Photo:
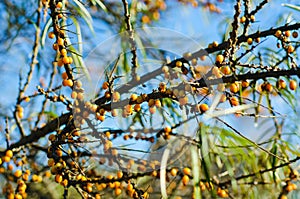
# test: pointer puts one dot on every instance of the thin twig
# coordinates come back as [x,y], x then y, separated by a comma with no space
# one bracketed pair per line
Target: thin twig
[131,39]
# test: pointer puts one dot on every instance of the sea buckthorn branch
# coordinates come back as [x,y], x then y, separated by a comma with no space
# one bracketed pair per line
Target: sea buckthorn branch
[55,98]
[248,76]
[246,14]
[131,84]
[259,7]
[54,124]
[261,67]
[61,42]
[35,51]
[41,132]
[145,97]
[131,39]
[233,34]
[34,61]
[243,38]
[198,54]
[26,98]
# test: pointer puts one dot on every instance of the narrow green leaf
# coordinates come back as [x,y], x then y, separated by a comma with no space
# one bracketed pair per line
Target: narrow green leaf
[85,14]
[294,7]
[45,31]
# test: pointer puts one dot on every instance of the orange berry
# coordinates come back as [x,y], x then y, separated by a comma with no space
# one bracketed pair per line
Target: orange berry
[295,34]
[178,64]
[186,171]
[60,15]
[51,162]
[105,85]
[89,187]
[60,41]
[25,177]
[278,33]
[67,82]
[203,108]
[59,5]
[51,35]
[146,19]
[252,18]
[289,188]
[27,99]
[137,107]
[215,44]
[243,19]
[10,167]
[283,197]
[130,187]
[222,193]
[70,60]
[226,70]
[6,158]
[249,41]
[64,75]
[167,129]
[58,178]
[293,84]
[233,87]
[151,102]
[9,153]
[162,87]
[66,60]
[185,180]
[18,196]
[100,117]
[234,101]
[55,47]
[116,96]
[290,49]
[63,52]
[119,174]
[173,172]
[287,33]
[74,95]
[157,103]
[133,97]
[268,87]
[294,186]
[64,182]
[60,62]
[165,69]
[220,58]
[245,83]
[18,173]
[118,191]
